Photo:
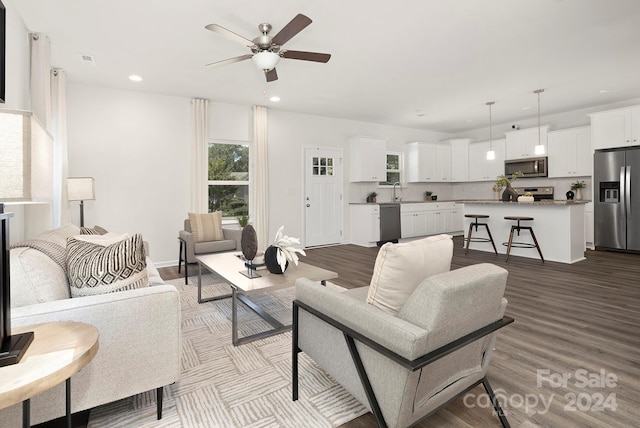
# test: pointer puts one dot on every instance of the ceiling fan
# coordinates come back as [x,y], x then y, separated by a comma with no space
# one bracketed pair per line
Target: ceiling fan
[267,50]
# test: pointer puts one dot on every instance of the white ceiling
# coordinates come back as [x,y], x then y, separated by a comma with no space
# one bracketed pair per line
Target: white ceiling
[427,64]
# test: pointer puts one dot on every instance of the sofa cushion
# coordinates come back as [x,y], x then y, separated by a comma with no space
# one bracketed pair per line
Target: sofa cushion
[213,246]
[60,235]
[206,227]
[35,278]
[96,269]
[400,268]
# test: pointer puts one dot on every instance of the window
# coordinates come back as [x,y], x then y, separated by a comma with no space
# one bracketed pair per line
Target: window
[229,178]
[394,169]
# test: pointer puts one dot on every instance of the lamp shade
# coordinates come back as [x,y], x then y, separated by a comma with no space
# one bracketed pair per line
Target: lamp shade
[266,60]
[81,189]
[26,163]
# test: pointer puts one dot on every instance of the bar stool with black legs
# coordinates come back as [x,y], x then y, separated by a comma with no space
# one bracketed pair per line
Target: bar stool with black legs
[475,225]
[517,228]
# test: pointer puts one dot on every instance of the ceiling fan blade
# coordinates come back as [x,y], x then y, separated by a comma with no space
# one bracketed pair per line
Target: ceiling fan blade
[229,34]
[297,24]
[271,75]
[306,56]
[229,61]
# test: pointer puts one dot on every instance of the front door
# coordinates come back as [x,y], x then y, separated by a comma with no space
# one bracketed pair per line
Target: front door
[323,196]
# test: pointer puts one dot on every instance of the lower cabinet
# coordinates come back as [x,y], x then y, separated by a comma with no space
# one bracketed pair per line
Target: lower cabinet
[365,224]
[424,219]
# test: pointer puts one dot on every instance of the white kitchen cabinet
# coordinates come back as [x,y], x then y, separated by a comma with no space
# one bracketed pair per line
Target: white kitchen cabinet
[522,143]
[425,162]
[615,128]
[482,169]
[459,159]
[588,226]
[570,152]
[365,224]
[367,159]
[413,220]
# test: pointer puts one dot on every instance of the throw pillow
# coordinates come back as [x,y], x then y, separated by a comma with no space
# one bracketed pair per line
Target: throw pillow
[105,240]
[206,227]
[95,230]
[400,268]
[96,269]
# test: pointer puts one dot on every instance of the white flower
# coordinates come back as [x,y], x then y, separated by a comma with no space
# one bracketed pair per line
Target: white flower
[286,250]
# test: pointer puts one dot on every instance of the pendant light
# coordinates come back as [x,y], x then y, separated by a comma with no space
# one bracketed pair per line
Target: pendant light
[491,155]
[539,150]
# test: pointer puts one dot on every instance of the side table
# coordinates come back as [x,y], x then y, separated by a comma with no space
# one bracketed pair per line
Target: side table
[58,351]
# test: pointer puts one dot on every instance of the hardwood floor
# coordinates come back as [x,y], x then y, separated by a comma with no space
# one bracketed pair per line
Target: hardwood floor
[580,320]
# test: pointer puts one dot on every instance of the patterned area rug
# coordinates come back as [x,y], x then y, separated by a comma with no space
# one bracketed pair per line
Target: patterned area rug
[226,386]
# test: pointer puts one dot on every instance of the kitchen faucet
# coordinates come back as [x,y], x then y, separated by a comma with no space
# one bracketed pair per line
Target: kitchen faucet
[397,183]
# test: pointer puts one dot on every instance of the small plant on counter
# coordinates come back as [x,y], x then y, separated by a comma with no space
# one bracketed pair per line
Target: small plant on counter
[504,181]
[372,197]
[578,185]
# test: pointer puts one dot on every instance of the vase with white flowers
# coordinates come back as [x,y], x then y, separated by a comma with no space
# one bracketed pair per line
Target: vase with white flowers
[278,255]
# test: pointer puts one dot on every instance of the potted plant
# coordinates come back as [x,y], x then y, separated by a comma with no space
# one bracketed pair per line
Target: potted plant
[578,186]
[371,197]
[427,195]
[503,181]
[243,220]
[497,190]
[278,255]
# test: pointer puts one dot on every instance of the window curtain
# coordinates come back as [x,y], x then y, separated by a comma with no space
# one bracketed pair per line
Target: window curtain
[39,217]
[199,156]
[259,179]
[61,213]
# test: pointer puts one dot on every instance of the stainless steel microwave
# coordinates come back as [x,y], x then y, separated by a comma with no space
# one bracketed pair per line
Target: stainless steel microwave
[531,167]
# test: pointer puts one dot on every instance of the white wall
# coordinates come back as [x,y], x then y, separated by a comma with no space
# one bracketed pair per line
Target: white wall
[136,146]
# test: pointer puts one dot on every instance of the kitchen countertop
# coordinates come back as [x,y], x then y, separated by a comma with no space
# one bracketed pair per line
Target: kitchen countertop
[481,201]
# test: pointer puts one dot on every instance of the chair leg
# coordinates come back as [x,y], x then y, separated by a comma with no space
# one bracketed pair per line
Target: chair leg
[159,393]
[180,255]
[468,238]
[186,264]
[535,241]
[496,404]
[510,242]
[495,250]
[294,355]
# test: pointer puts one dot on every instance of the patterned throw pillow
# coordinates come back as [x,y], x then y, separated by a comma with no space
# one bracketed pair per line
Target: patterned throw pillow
[206,227]
[96,269]
[95,230]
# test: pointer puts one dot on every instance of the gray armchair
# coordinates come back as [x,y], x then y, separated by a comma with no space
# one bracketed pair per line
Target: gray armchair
[405,367]
[190,249]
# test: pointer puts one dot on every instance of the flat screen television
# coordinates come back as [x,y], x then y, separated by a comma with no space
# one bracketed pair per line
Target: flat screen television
[3,45]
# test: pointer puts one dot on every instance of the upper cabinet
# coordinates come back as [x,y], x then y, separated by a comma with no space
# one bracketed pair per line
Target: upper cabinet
[367,159]
[615,128]
[482,169]
[426,162]
[459,159]
[522,143]
[570,152]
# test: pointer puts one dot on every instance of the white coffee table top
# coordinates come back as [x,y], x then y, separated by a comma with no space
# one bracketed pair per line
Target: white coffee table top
[229,266]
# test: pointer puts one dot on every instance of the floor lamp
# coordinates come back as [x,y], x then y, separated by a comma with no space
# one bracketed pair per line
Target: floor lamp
[81,189]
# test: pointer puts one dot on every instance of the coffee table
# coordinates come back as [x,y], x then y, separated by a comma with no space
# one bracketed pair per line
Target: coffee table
[230,266]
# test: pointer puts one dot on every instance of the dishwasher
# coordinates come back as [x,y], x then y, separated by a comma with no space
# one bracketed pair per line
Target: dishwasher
[389,223]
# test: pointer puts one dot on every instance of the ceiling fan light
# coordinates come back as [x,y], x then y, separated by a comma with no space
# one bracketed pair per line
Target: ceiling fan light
[266,60]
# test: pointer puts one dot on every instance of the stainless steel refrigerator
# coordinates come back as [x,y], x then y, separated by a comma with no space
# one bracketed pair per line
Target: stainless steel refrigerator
[616,180]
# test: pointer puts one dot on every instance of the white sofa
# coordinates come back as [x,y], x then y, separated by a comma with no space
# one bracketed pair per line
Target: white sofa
[139,333]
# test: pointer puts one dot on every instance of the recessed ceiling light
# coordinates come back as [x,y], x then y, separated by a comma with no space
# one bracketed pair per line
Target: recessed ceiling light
[604,91]
[135,78]
[525,108]
[274,99]
[469,120]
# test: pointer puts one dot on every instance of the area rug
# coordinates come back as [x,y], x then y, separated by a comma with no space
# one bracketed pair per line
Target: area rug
[222,385]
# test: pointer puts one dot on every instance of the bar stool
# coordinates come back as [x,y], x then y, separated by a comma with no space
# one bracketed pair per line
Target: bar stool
[518,228]
[476,224]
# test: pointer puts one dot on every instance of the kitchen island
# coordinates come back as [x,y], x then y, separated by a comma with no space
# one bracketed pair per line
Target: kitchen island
[558,225]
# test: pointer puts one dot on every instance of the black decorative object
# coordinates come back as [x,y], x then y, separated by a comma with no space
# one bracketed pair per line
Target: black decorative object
[570,195]
[249,245]
[12,347]
[271,260]
[509,194]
